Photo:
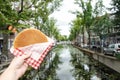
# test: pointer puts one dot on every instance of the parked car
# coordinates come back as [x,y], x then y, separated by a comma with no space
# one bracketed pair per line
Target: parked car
[112,49]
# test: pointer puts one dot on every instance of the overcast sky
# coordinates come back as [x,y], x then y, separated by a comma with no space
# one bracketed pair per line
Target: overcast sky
[64,17]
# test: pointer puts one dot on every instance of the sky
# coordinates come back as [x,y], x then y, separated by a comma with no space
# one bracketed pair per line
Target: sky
[64,17]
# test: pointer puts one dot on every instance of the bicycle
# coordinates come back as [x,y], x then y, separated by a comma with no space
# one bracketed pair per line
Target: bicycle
[3,58]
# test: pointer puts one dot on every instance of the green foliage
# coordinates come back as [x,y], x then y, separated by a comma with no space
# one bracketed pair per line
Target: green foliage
[86,13]
[7,15]
[86,19]
[116,8]
[23,14]
[28,13]
[91,19]
[42,11]
[99,8]
[76,28]
[117,56]
[102,25]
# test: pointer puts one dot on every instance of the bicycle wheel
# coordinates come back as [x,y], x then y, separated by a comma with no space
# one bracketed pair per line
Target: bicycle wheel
[3,58]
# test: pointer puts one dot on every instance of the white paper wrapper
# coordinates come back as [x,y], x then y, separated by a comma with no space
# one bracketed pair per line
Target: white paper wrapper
[39,51]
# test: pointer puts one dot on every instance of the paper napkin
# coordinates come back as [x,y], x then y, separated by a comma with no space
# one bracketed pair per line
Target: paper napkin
[38,52]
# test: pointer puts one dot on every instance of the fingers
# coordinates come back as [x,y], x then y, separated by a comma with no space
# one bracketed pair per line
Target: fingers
[25,56]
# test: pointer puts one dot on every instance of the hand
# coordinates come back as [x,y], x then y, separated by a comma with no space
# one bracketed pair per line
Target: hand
[19,66]
[16,69]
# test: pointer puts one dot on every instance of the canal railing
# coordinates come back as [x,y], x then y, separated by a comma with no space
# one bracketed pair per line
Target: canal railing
[110,61]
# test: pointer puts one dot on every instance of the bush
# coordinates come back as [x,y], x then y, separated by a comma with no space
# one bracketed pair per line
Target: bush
[117,56]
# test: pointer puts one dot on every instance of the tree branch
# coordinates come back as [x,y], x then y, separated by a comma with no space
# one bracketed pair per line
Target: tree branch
[21,7]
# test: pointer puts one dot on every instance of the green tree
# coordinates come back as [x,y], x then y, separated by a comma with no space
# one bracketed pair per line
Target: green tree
[42,21]
[102,21]
[42,11]
[86,15]
[76,28]
[25,13]
[116,8]
[51,29]
[102,25]
[7,16]
[89,16]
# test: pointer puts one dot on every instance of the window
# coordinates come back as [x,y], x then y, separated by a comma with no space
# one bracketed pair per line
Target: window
[112,46]
[118,46]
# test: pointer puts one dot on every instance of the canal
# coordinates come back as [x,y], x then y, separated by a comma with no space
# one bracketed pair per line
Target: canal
[65,62]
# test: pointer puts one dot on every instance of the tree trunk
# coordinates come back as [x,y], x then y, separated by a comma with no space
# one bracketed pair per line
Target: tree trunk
[89,38]
[83,36]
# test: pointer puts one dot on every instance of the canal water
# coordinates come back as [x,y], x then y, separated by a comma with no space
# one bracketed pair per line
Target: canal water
[65,62]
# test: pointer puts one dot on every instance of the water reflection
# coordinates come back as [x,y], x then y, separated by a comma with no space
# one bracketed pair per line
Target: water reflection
[82,66]
[64,72]
[64,62]
[47,70]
